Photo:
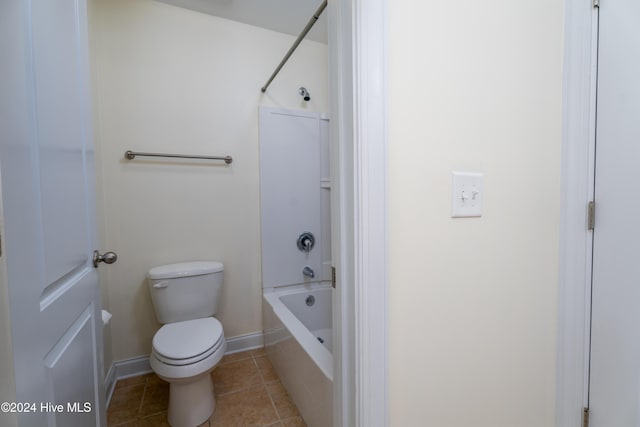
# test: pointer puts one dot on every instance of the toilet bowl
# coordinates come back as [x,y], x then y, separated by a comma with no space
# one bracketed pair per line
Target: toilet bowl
[189,345]
[184,353]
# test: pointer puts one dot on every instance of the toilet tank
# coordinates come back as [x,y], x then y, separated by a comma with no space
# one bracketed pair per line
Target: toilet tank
[186,290]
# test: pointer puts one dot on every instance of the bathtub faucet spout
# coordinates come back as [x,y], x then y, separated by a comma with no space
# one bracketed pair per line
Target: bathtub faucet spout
[308,272]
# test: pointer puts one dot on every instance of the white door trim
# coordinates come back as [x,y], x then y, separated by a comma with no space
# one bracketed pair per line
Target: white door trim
[357,76]
[342,209]
[358,91]
[578,154]
[370,196]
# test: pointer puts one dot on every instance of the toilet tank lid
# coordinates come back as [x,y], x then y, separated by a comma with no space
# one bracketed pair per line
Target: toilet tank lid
[185,269]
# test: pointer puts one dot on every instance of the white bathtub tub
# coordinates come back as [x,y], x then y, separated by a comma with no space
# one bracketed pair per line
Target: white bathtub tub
[298,343]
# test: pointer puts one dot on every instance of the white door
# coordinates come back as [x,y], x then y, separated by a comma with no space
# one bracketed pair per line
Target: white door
[46,160]
[614,398]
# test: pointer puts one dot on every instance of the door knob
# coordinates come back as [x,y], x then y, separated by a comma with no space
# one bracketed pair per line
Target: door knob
[107,258]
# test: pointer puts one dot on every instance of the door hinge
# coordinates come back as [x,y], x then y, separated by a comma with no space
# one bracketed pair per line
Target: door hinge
[595,3]
[333,277]
[585,417]
[591,215]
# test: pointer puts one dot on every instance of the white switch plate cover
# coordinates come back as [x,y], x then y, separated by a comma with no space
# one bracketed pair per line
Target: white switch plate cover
[467,194]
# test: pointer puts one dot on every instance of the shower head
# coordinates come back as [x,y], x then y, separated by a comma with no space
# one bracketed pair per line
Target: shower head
[304,93]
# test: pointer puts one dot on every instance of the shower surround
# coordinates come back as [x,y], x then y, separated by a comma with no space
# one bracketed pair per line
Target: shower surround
[296,257]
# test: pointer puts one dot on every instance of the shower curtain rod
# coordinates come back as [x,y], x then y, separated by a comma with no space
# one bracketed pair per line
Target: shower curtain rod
[304,32]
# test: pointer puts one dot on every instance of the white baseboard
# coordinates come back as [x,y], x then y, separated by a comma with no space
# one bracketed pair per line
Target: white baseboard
[135,366]
[132,367]
[245,342]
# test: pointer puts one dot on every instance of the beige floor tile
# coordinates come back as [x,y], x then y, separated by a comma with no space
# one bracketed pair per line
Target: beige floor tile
[128,382]
[283,403]
[266,369]
[156,399]
[258,352]
[127,424]
[294,422]
[125,404]
[246,408]
[154,379]
[234,357]
[235,376]
[248,392]
[126,394]
[158,420]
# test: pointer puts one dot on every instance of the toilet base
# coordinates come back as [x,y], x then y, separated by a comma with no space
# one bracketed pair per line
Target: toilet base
[191,403]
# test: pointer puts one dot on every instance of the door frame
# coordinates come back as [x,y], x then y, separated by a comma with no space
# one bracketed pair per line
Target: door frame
[369,359]
[370,231]
[577,189]
[358,76]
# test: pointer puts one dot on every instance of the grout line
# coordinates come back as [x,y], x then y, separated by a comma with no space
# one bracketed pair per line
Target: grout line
[259,369]
[140,417]
[239,390]
[273,404]
[264,383]
[144,393]
[235,360]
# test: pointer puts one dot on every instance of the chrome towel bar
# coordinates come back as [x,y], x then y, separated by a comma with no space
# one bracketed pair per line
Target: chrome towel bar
[130,155]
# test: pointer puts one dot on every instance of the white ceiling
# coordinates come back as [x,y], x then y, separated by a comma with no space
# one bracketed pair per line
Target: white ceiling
[285,16]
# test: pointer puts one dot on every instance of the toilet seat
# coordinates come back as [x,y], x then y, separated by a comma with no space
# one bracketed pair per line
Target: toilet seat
[188,342]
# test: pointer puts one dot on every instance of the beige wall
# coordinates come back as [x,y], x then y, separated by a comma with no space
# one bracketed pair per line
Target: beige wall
[474,86]
[173,80]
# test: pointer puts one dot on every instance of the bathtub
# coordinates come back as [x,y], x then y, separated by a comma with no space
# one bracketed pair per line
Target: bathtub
[297,336]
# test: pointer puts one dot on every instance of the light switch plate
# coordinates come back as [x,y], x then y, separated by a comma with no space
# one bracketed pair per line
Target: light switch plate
[466,194]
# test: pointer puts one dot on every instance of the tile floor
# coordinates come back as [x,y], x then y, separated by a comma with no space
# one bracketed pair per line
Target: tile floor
[248,393]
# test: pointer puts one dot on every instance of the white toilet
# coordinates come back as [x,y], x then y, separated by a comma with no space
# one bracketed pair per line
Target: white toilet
[191,342]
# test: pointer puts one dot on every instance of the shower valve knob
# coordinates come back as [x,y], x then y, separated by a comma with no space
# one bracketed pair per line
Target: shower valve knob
[306,242]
